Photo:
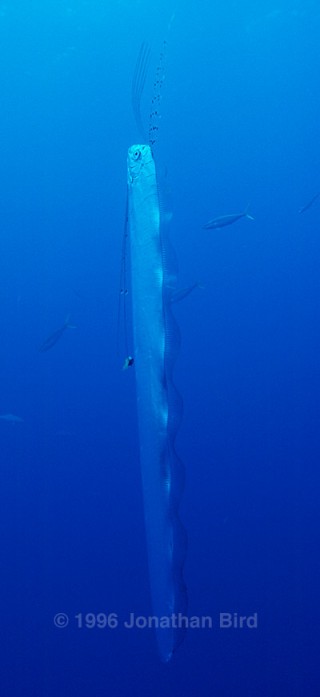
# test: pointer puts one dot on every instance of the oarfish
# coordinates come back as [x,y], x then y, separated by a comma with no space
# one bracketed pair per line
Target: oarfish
[156,340]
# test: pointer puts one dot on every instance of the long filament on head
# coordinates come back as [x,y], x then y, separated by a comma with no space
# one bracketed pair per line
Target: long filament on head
[155,116]
[122,320]
[138,83]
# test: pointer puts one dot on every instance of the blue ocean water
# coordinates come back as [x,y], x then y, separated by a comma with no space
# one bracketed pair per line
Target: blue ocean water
[239,125]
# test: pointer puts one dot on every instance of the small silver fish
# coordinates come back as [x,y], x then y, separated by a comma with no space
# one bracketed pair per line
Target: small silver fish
[53,338]
[11,418]
[310,203]
[224,220]
[178,295]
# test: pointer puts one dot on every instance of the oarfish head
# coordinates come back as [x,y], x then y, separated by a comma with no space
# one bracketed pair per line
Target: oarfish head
[139,156]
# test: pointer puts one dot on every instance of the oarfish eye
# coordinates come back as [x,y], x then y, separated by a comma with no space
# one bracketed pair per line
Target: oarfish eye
[136,155]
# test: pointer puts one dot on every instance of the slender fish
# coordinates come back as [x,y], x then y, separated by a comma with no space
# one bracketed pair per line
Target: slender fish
[181,294]
[11,418]
[224,220]
[53,338]
[310,203]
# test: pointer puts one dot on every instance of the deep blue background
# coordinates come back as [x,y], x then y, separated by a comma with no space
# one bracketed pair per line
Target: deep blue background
[240,124]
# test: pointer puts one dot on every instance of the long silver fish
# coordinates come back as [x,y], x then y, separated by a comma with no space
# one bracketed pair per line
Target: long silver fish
[156,342]
[224,220]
